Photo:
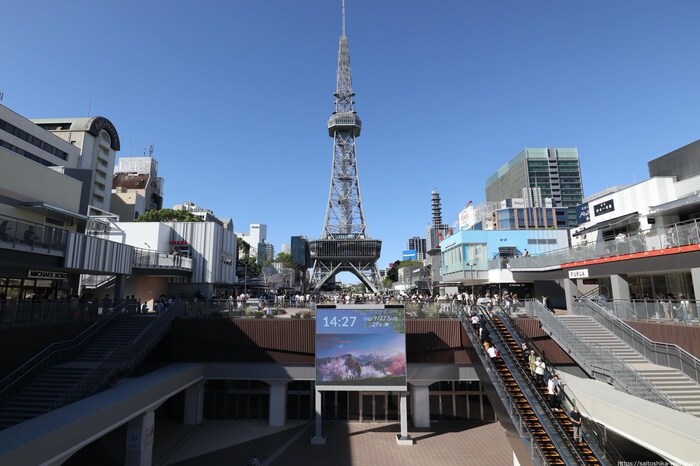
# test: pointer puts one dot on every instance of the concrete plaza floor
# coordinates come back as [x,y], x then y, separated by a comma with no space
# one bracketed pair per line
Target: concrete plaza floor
[347,444]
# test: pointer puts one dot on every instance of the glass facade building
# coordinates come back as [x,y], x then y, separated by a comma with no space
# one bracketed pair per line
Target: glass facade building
[555,171]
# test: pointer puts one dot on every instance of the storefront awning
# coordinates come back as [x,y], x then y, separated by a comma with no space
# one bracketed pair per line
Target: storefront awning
[604,225]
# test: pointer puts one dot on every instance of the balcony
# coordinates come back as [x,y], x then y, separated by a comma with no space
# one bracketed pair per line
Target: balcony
[149,259]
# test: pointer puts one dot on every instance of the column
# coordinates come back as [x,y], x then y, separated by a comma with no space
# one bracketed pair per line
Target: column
[420,405]
[403,438]
[318,438]
[620,287]
[695,275]
[278,403]
[194,404]
[570,290]
[139,440]
[119,285]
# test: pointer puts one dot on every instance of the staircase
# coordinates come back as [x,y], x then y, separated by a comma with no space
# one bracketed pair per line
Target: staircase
[56,386]
[680,388]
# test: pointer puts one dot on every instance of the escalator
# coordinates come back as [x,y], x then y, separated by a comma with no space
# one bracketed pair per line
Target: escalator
[501,323]
[541,429]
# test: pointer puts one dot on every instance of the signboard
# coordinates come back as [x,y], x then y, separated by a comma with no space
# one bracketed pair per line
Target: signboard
[361,348]
[47,275]
[583,213]
[580,273]
[604,207]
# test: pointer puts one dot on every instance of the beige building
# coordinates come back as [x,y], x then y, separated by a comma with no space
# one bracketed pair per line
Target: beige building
[98,142]
[136,187]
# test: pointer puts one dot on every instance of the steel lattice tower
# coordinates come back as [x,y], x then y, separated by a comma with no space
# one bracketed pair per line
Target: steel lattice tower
[345,245]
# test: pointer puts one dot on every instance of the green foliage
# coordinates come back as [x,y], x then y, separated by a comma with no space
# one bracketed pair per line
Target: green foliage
[285,259]
[410,264]
[168,215]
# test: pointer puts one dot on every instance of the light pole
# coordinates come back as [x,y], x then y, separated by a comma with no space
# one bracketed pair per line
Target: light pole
[471,273]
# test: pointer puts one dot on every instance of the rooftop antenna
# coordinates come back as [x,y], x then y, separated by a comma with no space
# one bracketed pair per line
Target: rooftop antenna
[2,94]
[89,105]
[150,150]
[343,18]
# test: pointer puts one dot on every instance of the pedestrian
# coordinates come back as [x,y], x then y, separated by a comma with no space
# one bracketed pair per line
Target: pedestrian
[683,308]
[531,360]
[575,416]
[553,392]
[539,370]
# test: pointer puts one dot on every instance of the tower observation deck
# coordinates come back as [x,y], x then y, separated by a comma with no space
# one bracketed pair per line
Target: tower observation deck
[345,245]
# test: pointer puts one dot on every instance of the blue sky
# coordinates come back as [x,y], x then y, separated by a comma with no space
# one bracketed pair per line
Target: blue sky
[235,95]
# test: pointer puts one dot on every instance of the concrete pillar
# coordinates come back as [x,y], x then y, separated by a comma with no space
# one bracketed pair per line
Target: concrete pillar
[139,440]
[570,290]
[278,403]
[194,404]
[620,287]
[119,285]
[403,438]
[695,275]
[420,405]
[318,438]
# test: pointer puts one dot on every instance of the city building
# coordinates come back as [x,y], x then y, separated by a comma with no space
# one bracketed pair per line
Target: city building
[205,215]
[98,142]
[191,258]
[257,233]
[482,257]
[682,163]
[435,233]
[136,187]
[555,171]
[266,252]
[44,198]
[418,245]
[516,214]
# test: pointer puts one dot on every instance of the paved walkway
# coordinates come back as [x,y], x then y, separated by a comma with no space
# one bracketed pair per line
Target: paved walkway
[446,443]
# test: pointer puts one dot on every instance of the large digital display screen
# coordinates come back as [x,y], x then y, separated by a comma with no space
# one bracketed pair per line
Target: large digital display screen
[361,349]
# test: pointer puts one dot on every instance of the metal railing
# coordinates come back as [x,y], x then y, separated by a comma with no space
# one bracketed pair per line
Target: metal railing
[599,362]
[17,233]
[655,310]
[146,258]
[664,354]
[122,359]
[56,353]
[662,237]
[25,312]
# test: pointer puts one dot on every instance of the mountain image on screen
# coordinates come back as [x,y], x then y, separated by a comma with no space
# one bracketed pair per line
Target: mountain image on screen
[362,369]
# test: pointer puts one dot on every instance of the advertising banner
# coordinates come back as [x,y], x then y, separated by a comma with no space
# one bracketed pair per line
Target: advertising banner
[361,349]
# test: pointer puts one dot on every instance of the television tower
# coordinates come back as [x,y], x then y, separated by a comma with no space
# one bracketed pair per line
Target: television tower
[345,245]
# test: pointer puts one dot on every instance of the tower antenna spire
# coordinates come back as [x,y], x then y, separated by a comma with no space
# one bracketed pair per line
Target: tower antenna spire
[343,18]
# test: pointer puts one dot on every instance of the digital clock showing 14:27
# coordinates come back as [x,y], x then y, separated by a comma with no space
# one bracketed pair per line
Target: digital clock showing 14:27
[338,321]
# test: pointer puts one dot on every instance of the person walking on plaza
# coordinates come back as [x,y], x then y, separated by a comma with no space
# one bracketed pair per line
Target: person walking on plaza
[575,416]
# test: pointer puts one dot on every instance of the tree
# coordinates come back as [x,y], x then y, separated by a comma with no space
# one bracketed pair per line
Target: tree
[168,215]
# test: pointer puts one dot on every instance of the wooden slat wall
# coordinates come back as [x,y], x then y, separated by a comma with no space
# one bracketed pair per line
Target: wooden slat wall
[685,336]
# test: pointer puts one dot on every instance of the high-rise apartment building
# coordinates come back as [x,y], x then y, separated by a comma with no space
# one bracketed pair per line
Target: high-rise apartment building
[555,171]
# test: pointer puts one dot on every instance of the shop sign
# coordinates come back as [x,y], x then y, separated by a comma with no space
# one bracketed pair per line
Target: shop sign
[580,273]
[47,275]
[604,207]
